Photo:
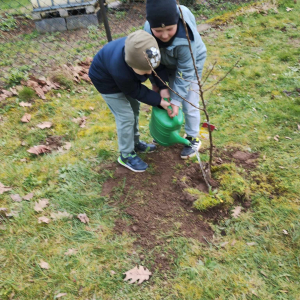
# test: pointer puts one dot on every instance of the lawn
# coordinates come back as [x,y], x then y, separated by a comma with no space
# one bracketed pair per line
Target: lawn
[256,109]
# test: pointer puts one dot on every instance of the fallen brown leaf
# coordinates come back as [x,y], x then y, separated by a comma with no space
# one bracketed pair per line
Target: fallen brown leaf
[4,189]
[251,244]
[61,215]
[44,220]
[298,126]
[80,121]
[16,198]
[12,214]
[26,118]
[28,197]
[289,9]
[14,91]
[233,243]
[137,275]
[288,138]
[58,95]
[60,295]
[224,244]
[44,125]
[236,211]
[71,252]
[40,149]
[44,265]
[39,206]
[3,210]
[285,232]
[83,218]
[276,138]
[25,104]
[67,146]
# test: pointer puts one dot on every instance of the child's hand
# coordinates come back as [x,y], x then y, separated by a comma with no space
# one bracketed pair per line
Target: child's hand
[175,111]
[165,104]
[165,93]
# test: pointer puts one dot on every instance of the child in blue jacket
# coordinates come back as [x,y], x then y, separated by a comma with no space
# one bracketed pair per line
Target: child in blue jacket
[117,72]
[165,24]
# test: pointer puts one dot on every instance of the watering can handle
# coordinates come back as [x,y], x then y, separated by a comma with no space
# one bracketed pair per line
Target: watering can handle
[170,107]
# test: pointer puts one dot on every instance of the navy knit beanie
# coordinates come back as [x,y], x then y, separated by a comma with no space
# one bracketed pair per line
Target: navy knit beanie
[162,13]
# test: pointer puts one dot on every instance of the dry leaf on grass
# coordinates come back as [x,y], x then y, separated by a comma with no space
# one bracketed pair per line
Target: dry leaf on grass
[12,214]
[80,121]
[40,149]
[60,295]
[137,274]
[44,125]
[25,104]
[28,197]
[26,118]
[71,252]
[3,211]
[236,211]
[298,126]
[4,189]
[276,138]
[39,206]
[61,215]
[44,265]
[288,138]
[289,9]
[44,220]
[251,244]
[285,232]
[83,218]
[224,244]
[16,198]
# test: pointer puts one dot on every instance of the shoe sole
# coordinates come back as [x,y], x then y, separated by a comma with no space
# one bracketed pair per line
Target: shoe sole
[126,166]
[193,154]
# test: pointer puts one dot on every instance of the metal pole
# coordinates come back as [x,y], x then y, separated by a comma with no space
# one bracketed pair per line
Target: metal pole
[105,20]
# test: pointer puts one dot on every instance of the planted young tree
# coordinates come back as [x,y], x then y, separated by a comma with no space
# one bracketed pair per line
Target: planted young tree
[206,171]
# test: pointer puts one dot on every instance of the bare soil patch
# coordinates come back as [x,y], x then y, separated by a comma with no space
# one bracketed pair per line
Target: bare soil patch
[156,205]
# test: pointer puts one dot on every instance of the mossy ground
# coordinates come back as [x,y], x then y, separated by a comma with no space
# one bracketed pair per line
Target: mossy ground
[249,108]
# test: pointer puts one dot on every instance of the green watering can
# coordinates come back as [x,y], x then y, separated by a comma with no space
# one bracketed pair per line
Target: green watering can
[164,129]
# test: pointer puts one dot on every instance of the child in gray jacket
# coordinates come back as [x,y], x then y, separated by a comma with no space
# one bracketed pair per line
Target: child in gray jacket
[165,24]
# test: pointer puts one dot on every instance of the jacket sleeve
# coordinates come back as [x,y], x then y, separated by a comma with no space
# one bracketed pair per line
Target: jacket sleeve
[185,67]
[138,91]
[163,74]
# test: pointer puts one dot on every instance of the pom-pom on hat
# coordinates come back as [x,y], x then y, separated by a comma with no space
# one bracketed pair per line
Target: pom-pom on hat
[162,13]
[136,44]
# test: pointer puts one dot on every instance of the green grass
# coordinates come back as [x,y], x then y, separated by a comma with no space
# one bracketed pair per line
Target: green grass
[8,4]
[249,108]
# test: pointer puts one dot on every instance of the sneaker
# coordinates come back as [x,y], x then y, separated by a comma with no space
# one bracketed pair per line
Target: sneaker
[189,151]
[144,147]
[133,162]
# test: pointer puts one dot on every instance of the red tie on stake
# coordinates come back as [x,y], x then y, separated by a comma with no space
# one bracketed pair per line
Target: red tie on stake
[204,132]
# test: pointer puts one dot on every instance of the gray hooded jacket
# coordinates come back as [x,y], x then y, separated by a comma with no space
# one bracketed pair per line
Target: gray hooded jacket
[177,57]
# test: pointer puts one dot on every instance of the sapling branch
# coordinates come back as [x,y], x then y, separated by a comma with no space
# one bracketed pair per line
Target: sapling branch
[209,72]
[221,79]
[149,63]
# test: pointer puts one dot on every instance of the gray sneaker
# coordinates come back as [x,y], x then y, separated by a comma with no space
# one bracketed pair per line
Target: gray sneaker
[188,151]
